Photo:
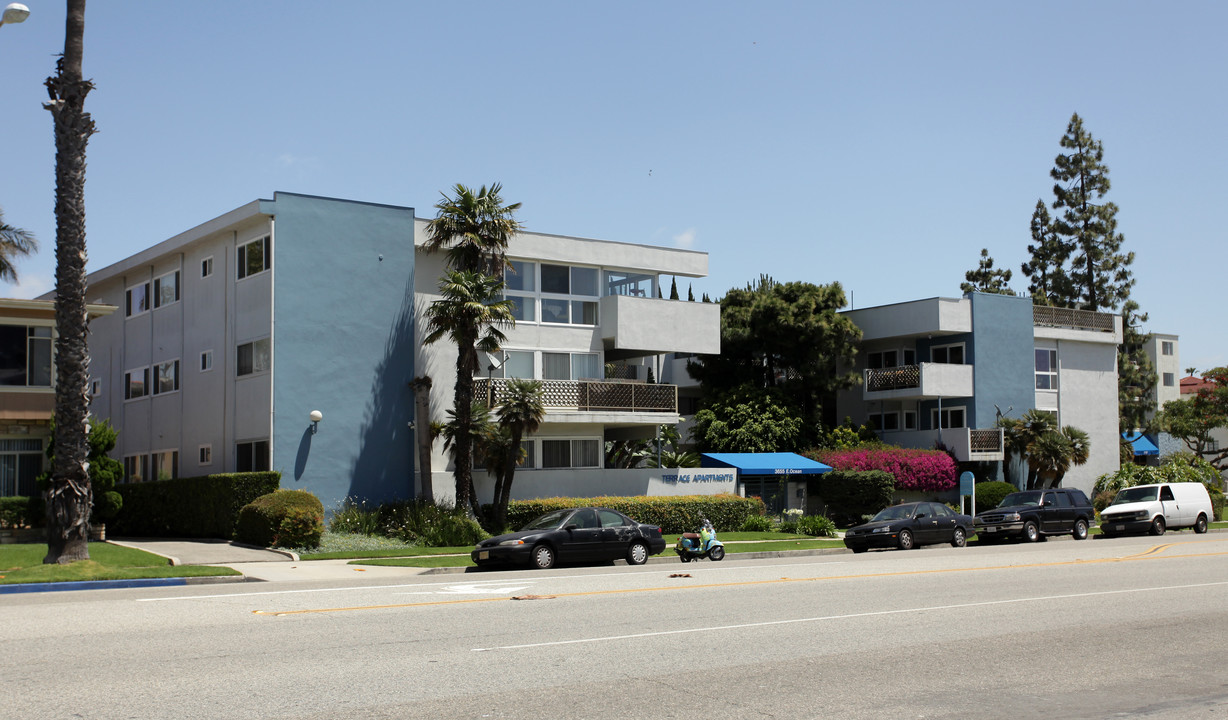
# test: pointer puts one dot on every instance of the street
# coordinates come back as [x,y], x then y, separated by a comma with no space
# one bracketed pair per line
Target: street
[1129,627]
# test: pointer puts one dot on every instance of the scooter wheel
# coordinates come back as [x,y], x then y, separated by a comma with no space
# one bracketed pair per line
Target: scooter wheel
[716,553]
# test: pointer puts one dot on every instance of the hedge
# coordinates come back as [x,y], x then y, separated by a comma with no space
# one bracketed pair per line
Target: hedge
[16,512]
[285,518]
[990,494]
[925,470]
[675,514]
[196,507]
[850,494]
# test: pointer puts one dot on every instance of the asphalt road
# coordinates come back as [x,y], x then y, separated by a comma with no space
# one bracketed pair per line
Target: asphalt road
[1129,627]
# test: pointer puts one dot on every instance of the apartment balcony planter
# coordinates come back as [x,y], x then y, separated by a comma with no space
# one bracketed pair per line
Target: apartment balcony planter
[590,395]
[918,382]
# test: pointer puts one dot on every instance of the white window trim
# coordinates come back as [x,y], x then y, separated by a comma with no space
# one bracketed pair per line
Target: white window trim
[253,373]
[537,295]
[206,263]
[883,426]
[268,261]
[1053,373]
[948,409]
[963,353]
[153,376]
[148,299]
[539,456]
[904,420]
[157,298]
[209,353]
[204,454]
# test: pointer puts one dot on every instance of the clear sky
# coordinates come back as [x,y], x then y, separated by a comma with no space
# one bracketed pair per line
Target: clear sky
[881,145]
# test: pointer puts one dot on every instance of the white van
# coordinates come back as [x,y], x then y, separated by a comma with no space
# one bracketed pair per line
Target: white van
[1155,508]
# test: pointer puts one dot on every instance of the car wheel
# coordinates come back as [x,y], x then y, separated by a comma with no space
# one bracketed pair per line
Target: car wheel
[716,553]
[1157,525]
[1080,530]
[543,557]
[905,540]
[637,554]
[1030,532]
[1200,525]
[959,538]
[859,549]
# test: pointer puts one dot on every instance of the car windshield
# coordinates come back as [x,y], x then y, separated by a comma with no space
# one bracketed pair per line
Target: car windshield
[1135,494]
[547,521]
[895,512]
[1029,497]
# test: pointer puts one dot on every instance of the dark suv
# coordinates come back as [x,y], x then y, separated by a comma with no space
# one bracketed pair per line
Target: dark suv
[1033,514]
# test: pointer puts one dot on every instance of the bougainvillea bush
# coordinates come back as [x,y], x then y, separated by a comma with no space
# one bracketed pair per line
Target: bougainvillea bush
[927,470]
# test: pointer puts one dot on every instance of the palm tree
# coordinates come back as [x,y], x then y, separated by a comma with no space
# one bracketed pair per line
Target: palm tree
[474,228]
[1034,425]
[13,242]
[68,496]
[421,386]
[521,411]
[1053,453]
[469,313]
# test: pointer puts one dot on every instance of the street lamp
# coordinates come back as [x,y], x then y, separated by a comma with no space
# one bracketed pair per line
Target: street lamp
[14,13]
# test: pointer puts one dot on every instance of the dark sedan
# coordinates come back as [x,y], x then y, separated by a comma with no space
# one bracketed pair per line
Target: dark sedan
[911,525]
[574,535]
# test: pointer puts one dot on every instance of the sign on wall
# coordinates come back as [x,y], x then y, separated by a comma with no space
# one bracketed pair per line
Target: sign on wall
[693,481]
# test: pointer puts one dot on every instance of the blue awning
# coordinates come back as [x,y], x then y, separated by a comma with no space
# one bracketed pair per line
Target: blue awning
[1142,446]
[764,463]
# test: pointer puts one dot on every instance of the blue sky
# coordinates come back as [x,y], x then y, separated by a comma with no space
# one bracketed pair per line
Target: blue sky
[881,145]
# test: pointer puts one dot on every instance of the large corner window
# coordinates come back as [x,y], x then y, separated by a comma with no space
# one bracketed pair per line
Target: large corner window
[166,289]
[254,257]
[557,294]
[520,288]
[136,300]
[571,453]
[1046,369]
[252,456]
[253,357]
[632,284]
[25,356]
[571,366]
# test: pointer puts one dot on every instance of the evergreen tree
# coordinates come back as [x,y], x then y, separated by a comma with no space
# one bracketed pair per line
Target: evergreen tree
[987,278]
[1099,272]
[690,293]
[673,289]
[1136,374]
[1050,285]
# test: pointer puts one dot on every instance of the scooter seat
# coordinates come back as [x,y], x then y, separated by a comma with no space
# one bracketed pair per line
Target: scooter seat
[690,536]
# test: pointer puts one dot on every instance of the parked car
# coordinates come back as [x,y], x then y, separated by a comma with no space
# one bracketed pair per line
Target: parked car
[573,535]
[910,525]
[1032,515]
[1155,508]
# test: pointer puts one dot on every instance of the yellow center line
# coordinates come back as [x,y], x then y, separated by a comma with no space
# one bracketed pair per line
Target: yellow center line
[1152,553]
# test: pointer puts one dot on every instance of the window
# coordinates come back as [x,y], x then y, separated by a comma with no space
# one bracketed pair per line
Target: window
[570,453]
[136,300]
[1166,347]
[136,468]
[520,288]
[910,420]
[951,417]
[166,464]
[571,366]
[949,354]
[1169,380]
[253,357]
[910,357]
[254,257]
[887,421]
[136,383]
[166,289]
[206,267]
[1046,369]
[625,282]
[569,281]
[206,361]
[205,454]
[882,359]
[95,388]
[252,456]
[21,461]
[516,364]
[166,377]
[25,356]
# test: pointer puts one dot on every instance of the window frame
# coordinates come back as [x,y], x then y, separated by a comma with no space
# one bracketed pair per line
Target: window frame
[206,361]
[156,459]
[1167,347]
[158,286]
[206,267]
[946,353]
[204,454]
[156,377]
[145,285]
[1051,374]
[241,264]
[255,370]
[935,420]
[146,389]
[268,453]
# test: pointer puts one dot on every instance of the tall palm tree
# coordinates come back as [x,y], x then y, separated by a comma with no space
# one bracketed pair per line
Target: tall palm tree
[521,411]
[69,496]
[13,242]
[1034,425]
[470,313]
[1053,453]
[474,228]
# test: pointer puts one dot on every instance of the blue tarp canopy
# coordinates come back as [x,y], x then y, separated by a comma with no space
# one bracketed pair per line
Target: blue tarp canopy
[764,463]
[1142,446]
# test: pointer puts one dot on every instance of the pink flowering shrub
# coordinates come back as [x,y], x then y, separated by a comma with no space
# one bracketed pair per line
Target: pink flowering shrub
[912,469]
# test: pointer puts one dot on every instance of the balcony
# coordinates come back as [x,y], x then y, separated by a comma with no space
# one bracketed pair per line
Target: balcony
[968,444]
[918,382]
[636,326]
[599,396]
[1070,318]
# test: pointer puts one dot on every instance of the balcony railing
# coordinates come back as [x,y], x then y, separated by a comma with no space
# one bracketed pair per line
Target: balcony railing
[588,395]
[974,444]
[893,378]
[1045,316]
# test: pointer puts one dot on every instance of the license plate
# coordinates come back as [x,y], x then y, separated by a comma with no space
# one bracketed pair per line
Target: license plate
[989,529]
[1119,527]
[484,555]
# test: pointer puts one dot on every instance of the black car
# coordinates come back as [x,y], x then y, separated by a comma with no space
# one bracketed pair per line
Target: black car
[1031,515]
[573,535]
[910,525]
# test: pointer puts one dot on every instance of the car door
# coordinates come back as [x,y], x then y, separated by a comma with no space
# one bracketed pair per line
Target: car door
[1173,516]
[1061,513]
[925,524]
[944,523]
[582,539]
[616,534]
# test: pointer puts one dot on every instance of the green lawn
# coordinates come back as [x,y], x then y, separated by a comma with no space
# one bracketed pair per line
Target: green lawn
[23,563]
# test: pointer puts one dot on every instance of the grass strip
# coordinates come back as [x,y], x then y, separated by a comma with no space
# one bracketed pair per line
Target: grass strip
[23,563]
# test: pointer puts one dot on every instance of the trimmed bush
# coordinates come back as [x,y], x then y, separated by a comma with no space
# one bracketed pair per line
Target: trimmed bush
[418,522]
[989,494]
[816,526]
[286,518]
[924,470]
[205,507]
[674,514]
[850,495]
[758,523]
[15,512]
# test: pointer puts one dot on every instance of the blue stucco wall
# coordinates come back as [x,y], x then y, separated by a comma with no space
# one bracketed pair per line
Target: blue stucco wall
[1004,357]
[343,344]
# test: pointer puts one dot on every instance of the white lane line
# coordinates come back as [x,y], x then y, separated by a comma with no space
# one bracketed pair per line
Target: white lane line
[794,621]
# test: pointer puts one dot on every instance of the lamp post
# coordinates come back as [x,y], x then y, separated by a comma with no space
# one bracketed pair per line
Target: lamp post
[14,13]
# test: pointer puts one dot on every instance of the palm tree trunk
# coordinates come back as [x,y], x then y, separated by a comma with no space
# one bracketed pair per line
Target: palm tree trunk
[463,408]
[422,432]
[68,498]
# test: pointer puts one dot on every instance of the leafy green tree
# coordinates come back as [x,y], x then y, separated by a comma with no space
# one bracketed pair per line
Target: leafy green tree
[473,228]
[1136,374]
[1052,454]
[469,313]
[13,242]
[987,278]
[104,471]
[1019,435]
[787,338]
[668,451]
[1050,284]
[629,453]
[521,411]
[1194,418]
[747,421]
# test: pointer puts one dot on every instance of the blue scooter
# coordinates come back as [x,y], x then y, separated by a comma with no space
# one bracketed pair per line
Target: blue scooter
[693,546]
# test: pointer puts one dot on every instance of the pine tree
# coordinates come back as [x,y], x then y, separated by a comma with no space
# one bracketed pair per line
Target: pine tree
[987,278]
[1136,374]
[673,289]
[1050,285]
[1099,272]
[690,293]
